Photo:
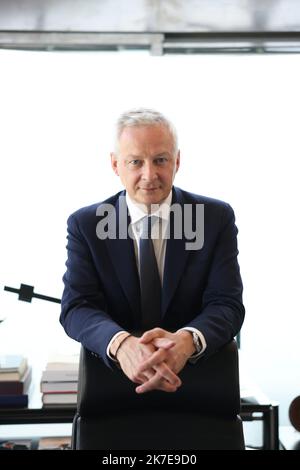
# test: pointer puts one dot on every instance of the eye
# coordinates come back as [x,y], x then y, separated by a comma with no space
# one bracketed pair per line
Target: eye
[135,162]
[161,160]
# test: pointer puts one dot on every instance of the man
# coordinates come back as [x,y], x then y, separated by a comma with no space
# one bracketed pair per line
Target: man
[184,299]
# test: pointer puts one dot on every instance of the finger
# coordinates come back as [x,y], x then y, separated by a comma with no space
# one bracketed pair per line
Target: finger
[151,384]
[143,378]
[148,336]
[156,358]
[149,376]
[166,387]
[161,367]
[146,375]
[140,378]
[164,343]
[156,383]
[167,374]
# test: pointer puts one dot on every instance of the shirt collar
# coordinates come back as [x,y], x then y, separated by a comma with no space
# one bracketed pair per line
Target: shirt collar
[138,211]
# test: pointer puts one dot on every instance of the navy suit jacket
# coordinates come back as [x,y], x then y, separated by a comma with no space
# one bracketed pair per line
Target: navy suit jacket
[201,288]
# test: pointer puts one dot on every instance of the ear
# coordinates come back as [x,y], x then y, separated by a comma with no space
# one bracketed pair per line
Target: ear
[177,161]
[114,163]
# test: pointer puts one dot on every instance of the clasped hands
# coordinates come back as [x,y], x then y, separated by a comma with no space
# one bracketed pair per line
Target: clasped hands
[154,360]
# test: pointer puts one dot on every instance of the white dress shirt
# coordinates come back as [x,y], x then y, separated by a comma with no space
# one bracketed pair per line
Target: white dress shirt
[158,231]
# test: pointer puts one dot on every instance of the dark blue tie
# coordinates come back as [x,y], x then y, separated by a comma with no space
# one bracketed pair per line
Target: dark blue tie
[149,278]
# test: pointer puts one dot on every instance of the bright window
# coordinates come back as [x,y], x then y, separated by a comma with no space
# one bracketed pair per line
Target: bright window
[238,123]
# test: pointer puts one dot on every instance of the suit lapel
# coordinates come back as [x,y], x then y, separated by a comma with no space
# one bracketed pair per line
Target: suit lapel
[176,257]
[121,252]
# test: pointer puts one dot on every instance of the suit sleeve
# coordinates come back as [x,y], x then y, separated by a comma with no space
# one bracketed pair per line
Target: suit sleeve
[83,314]
[222,313]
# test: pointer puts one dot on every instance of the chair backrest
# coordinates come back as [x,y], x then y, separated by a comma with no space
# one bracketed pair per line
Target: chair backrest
[201,414]
[210,387]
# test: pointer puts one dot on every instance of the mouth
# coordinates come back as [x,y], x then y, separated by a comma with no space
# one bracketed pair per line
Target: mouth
[149,189]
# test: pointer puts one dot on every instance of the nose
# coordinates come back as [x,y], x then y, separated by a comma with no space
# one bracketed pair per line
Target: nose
[149,171]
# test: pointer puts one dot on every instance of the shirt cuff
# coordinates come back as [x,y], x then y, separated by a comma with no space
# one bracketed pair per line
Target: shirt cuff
[110,343]
[196,356]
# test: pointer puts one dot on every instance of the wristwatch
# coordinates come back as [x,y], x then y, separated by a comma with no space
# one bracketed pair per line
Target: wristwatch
[197,342]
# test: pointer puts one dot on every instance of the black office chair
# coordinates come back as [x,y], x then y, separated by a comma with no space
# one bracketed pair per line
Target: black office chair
[201,414]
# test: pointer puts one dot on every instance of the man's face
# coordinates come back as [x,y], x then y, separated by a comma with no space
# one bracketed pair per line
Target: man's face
[146,163]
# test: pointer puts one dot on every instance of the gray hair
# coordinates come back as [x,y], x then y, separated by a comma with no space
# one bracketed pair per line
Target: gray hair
[144,117]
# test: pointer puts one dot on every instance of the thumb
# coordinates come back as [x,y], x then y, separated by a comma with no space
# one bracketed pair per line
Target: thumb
[149,336]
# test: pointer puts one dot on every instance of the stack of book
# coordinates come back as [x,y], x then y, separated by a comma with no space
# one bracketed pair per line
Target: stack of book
[59,383]
[15,379]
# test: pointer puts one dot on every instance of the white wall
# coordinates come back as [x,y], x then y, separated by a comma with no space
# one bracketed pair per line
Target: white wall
[237,118]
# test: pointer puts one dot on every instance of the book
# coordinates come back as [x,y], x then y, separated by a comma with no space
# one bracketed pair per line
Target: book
[59,398]
[56,387]
[11,363]
[16,387]
[61,368]
[12,367]
[14,401]
[59,376]
[63,362]
[60,406]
